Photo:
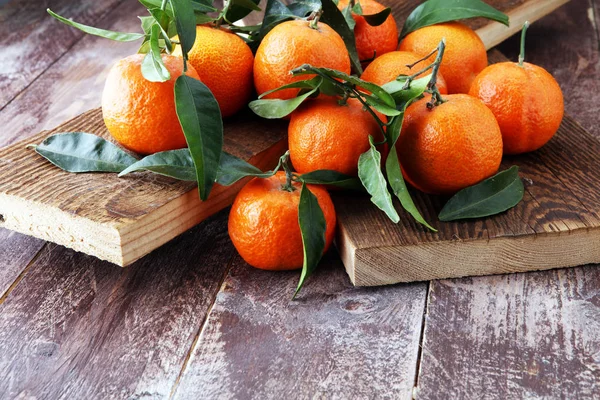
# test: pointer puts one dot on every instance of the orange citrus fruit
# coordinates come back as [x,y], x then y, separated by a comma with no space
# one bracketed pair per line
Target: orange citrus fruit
[464,57]
[263,223]
[292,44]
[526,101]
[373,41]
[450,147]
[323,134]
[389,66]
[224,64]
[140,114]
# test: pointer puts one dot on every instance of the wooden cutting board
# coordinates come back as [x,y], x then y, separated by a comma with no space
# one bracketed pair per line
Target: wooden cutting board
[123,219]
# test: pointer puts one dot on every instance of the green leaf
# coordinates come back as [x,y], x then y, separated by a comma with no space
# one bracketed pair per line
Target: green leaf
[275,13]
[199,6]
[313,227]
[437,11]
[176,164]
[303,8]
[118,36]
[395,178]
[84,152]
[232,169]
[378,18]
[200,119]
[309,84]
[333,17]
[277,108]
[404,95]
[203,6]
[392,164]
[492,196]
[369,172]
[375,90]
[153,68]
[332,178]
[382,108]
[238,9]
[185,21]
[347,13]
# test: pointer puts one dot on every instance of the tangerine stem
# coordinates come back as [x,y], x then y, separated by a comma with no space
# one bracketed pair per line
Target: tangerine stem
[289,175]
[522,53]
[163,5]
[314,18]
[422,59]
[436,97]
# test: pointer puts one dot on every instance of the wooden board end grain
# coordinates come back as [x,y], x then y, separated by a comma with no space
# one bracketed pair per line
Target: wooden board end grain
[118,219]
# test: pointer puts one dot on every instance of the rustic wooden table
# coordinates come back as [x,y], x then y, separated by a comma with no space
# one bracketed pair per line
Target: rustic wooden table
[192,320]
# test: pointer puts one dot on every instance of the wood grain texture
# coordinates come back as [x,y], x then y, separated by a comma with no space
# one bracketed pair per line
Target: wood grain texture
[31,40]
[333,342]
[79,328]
[517,336]
[73,84]
[112,218]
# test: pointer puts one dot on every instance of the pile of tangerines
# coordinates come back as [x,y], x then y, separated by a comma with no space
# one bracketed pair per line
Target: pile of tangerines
[452,137]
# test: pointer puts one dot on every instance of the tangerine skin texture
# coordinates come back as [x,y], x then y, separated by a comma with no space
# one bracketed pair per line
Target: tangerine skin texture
[224,63]
[389,66]
[290,45]
[527,102]
[263,223]
[464,58]
[140,114]
[325,135]
[373,40]
[453,146]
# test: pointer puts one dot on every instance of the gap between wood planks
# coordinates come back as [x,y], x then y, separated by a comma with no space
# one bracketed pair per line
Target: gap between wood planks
[99,20]
[421,337]
[22,274]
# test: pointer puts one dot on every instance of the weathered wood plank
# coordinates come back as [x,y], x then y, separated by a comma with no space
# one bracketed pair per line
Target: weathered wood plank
[76,327]
[333,342]
[74,83]
[532,335]
[31,40]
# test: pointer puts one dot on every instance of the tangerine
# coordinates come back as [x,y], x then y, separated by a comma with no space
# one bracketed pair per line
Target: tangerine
[292,44]
[526,101]
[263,223]
[140,114]
[464,58]
[454,145]
[373,41]
[224,64]
[323,134]
[389,66]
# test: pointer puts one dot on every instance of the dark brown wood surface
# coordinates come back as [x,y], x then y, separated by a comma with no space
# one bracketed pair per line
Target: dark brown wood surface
[75,327]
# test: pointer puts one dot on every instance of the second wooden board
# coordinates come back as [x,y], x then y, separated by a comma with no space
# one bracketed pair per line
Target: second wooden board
[556,225]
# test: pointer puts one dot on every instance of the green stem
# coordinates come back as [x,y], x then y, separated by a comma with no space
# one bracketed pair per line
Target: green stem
[436,97]
[314,18]
[289,175]
[163,5]
[522,53]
